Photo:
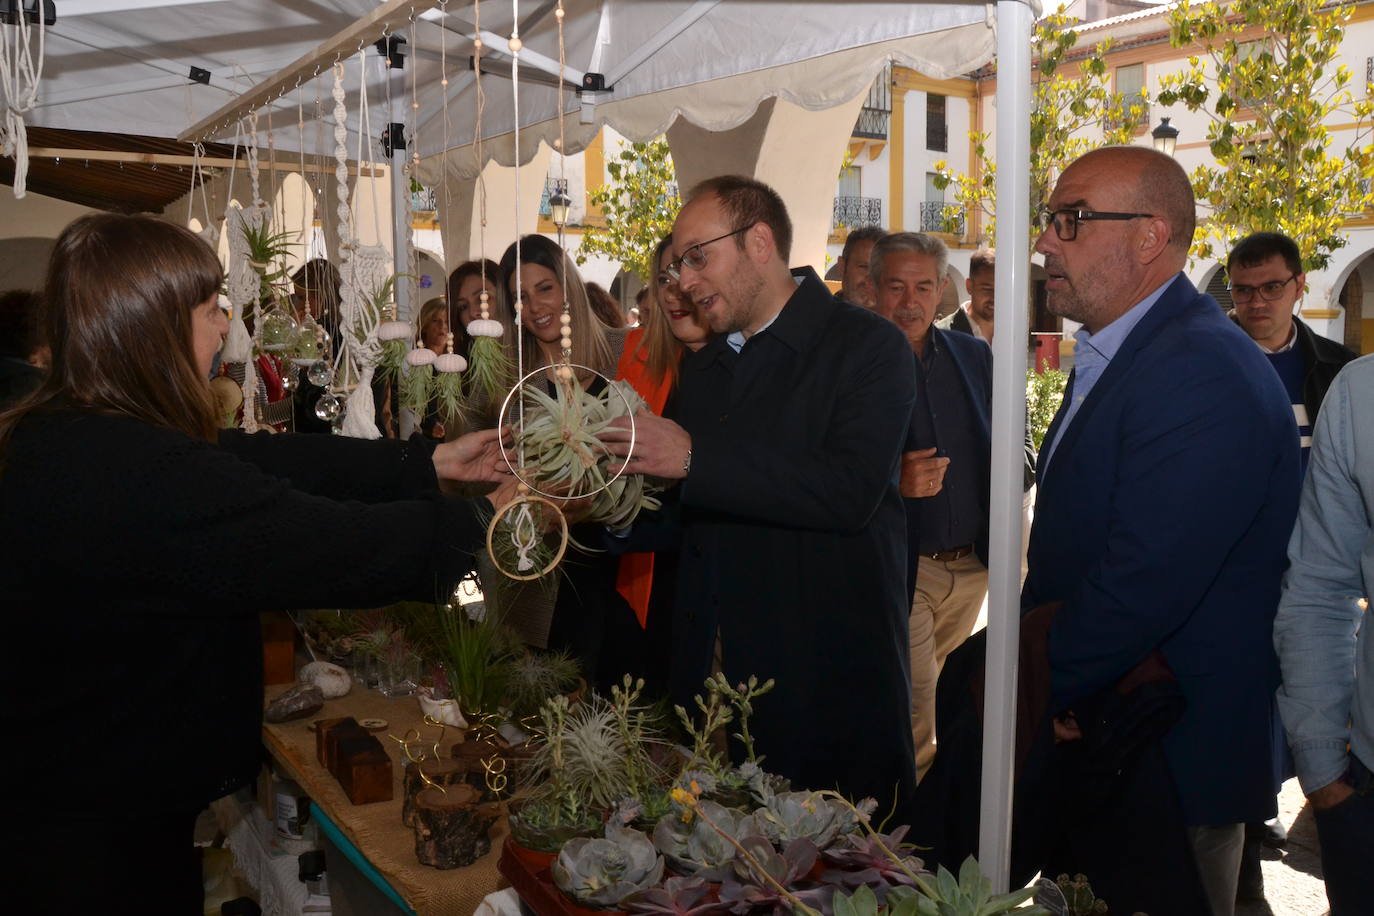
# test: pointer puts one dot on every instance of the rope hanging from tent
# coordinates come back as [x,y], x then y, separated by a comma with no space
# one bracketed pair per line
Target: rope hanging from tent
[489,363]
[20,74]
[365,270]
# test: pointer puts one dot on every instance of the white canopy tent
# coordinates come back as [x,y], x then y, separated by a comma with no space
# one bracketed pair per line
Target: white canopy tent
[192,68]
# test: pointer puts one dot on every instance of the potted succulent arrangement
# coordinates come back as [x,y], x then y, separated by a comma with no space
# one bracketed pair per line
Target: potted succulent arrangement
[731,837]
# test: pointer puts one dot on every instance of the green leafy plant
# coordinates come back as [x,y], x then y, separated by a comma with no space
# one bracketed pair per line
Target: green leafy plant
[1268,100]
[639,206]
[267,251]
[476,654]
[1079,896]
[1073,110]
[970,895]
[604,871]
[535,676]
[1044,392]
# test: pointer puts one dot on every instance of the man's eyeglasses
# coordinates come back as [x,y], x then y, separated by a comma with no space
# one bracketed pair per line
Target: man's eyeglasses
[1066,221]
[695,257]
[1267,291]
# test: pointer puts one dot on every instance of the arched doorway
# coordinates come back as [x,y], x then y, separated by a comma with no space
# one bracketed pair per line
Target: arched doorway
[1356,299]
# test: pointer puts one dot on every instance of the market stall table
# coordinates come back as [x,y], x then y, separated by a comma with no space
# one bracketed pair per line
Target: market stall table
[375,830]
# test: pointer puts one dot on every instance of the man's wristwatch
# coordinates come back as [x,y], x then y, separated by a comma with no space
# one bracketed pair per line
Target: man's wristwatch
[687,463]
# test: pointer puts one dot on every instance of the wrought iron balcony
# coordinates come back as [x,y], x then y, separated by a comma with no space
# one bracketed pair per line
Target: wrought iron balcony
[934,218]
[877,110]
[423,200]
[857,212]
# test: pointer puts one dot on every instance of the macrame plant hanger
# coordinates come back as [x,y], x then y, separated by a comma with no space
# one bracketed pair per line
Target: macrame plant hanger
[364,269]
[19,78]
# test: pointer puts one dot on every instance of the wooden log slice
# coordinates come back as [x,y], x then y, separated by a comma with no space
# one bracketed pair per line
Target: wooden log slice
[439,772]
[452,828]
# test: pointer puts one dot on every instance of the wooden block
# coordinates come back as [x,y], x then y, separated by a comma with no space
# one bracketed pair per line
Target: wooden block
[278,648]
[322,729]
[363,769]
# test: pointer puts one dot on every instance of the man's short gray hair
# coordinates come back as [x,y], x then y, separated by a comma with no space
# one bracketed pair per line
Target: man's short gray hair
[918,242]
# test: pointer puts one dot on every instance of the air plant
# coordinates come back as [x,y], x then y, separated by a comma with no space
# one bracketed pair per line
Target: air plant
[561,450]
[583,760]
[448,384]
[604,871]
[536,676]
[417,382]
[490,366]
[265,247]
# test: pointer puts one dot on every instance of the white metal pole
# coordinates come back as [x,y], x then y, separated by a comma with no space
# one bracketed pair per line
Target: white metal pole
[400,225]
[1014,22]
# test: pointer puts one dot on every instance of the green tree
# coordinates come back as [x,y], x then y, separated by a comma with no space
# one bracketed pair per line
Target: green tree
[1269,100]
[1070,115]
[639,204]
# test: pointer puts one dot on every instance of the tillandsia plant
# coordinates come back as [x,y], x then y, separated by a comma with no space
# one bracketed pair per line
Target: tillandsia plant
[266,253]
[604,871]
[583,761]
[417,385]
[394,336]
[536,676]
[561,450]
[489,365]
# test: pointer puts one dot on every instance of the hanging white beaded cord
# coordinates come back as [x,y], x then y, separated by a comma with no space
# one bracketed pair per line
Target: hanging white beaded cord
[366,278]
[489,365]
[309,348]
[276,330]
[558,452]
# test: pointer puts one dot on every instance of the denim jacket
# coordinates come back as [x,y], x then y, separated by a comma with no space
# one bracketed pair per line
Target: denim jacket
[1322,631]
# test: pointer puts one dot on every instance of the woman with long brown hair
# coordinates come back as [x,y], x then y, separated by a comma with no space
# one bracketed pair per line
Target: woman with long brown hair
[140,544]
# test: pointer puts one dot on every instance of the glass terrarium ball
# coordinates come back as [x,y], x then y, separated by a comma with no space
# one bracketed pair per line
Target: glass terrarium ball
[278,331]
[328,407]
[320,373]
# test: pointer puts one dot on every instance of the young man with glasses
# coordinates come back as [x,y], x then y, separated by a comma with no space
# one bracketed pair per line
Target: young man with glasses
[1167,491]
[789,429]
[1266,282]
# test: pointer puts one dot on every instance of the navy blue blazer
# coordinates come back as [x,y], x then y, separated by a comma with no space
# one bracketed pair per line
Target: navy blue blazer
[1162,521]
[972,359]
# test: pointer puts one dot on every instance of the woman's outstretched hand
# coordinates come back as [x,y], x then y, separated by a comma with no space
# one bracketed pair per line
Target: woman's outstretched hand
[473,457]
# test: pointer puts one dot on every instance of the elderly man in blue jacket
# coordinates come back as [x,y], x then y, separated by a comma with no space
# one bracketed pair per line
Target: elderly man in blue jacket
[1168,488]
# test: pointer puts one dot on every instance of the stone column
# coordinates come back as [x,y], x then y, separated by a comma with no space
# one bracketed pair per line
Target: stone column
[797,152]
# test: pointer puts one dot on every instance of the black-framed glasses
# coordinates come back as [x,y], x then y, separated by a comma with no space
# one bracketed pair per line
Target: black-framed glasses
[695,257]
[1270,291]
[1065,221]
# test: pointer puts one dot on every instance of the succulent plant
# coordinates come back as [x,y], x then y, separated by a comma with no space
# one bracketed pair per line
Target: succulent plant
[970,895]
[544,825]
[1079,896]
[767,879]
[604,871]
[695,846]
[900,901]
[677,897]
[789,816]
[863,859]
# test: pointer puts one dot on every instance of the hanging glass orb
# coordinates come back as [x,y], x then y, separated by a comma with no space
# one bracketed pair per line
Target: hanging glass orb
[277,331]
[328,407]
[320,374]
[290,376]
[336,426]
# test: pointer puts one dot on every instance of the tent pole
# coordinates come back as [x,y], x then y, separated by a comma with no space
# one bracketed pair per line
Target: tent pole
[1014,22]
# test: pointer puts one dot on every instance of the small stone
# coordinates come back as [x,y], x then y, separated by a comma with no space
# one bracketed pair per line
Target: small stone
[297,703]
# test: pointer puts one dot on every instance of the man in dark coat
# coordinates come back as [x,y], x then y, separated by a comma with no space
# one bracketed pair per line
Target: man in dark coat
[1168,488]
[23,354]
[793,538]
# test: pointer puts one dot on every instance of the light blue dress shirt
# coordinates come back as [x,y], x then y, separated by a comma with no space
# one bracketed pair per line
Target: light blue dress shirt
[1091,354]
[1322,631]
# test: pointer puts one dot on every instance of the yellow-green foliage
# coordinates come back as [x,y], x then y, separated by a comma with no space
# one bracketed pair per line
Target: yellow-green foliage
[1277,166]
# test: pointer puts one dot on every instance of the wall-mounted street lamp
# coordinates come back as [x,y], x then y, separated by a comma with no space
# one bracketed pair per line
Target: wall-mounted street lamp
[560,203]
[1165,137]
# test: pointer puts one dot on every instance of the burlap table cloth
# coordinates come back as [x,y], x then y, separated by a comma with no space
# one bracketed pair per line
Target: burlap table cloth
[376,829]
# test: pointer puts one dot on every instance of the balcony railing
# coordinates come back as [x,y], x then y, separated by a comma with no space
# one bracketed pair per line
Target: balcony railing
[857,212]
[877,110]
[423,200]
[934,218]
